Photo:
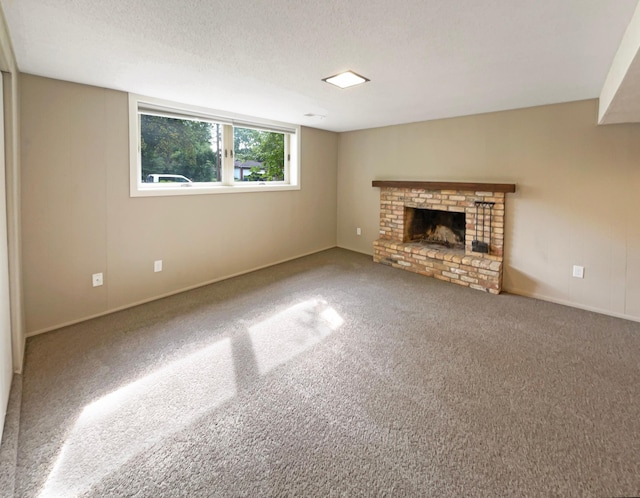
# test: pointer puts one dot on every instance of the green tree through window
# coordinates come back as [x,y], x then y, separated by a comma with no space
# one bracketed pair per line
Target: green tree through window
[180,147]
[265,147]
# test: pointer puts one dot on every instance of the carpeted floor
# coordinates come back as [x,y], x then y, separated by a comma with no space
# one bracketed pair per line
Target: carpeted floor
[330,375]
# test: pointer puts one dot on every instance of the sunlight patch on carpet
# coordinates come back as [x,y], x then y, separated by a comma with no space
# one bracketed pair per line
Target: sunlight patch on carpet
[124,423]
[285,335]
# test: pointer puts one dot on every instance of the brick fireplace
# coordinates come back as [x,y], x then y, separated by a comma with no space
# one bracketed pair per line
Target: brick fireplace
[452,231]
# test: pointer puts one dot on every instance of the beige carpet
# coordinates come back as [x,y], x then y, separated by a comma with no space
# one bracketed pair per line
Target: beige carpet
[330,375]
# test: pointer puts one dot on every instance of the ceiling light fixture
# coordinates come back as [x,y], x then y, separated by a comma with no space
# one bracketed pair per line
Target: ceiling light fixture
[346,79]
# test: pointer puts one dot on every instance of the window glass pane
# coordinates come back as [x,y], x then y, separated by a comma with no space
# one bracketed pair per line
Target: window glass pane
[179,150]
[258,155]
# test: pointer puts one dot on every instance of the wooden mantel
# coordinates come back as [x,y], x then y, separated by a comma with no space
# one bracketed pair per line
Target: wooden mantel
[484,187]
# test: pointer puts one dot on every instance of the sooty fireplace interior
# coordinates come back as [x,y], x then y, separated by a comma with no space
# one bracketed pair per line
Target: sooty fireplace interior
[470,215]
[432,226]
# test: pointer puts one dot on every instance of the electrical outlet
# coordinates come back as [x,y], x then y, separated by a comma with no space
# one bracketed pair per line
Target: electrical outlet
[157,265]
[358,231]
[97,279]
[578,271]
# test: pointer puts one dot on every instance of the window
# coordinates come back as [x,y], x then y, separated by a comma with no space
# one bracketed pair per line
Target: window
[260,156]
[179,150]
[175,146]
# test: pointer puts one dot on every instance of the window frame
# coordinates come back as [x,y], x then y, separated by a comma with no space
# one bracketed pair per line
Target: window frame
[138,104]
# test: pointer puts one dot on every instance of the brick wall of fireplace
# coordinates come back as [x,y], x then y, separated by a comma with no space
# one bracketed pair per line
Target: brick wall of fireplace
[484,220]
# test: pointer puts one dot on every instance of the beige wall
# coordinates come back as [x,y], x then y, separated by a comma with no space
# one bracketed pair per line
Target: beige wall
[575,204]
[78,218]
[577,199]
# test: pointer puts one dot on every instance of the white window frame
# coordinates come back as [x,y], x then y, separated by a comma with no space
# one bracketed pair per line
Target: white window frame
[139,104]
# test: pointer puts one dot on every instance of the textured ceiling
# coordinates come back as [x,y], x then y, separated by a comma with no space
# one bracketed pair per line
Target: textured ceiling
[426,59]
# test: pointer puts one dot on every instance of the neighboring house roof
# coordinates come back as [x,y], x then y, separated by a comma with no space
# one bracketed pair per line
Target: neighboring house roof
[246,164]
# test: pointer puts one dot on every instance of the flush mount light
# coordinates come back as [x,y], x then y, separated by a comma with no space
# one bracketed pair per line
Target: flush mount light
[346,79]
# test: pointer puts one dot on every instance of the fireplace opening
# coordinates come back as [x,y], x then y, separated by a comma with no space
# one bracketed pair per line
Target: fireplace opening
[431,226]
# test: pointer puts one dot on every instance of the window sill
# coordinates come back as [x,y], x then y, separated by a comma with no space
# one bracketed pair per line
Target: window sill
[157,191]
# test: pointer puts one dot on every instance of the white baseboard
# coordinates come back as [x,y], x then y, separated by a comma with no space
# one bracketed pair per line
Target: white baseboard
[518,292]
[172,293]
[359,251]
[571,304]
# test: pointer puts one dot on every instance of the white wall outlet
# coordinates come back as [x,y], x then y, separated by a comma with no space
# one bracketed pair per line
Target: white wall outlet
[358,231]
[578,271]
[97,279]
[157,265]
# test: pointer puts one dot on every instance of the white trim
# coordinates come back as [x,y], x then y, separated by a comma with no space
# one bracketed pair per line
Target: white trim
[139,104]
[359,251]
[6,336]
[541,297]
[173,293]
[12,164]
[186,111]
[570,304]
[516,292]
[207,188]
[172,112]
[227,144]
[253,125]
[14,218]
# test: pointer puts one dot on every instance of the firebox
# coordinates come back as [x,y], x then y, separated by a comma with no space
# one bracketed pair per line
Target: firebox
[431,226]
[467,217]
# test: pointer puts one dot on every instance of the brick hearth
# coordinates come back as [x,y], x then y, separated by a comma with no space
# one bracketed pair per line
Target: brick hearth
[460,266]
